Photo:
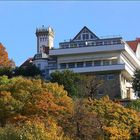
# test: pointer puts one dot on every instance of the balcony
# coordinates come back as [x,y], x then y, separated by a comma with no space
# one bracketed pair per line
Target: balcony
[87,49]
[116,67]
[85,43]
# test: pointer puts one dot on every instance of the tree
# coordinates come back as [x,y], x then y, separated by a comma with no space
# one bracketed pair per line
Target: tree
[8,71]
[4,60]
[88,124]
[29,71]
[118,122]
[89,86]
[134,105]
[68,79]
[31,131]
[33,100]
[136,82]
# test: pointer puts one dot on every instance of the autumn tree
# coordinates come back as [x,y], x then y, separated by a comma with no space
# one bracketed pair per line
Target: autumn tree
[32,131]
[32,100]
[118,122]
[4,60]
[88,124]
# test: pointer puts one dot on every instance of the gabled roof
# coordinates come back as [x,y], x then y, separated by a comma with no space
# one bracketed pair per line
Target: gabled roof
[133,44]
[89,31]
[27,62]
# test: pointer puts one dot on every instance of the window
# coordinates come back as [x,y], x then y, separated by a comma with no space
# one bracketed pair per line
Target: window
[53,65]
[117,42]
[85,36]
[93,43]
[45,38]
[102,77]
[40,39]
[85,31]
[71,65]
[110,77]
[80,64]
[62,65]
[99,43]
[97,63]
[105,62]
[91,36]
[88,63]
[81,44]
[73,45]
[39,66]
[114,61]
[107,42]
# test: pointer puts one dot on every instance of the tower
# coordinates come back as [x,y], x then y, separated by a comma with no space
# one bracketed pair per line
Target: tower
[45,39]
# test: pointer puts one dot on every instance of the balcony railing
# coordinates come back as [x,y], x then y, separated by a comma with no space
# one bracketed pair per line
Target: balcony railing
[89,43]
[85,69]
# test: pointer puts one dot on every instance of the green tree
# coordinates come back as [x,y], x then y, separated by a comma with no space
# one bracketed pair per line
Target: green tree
[29,71]
[68,79]
[134,105]
[8,71]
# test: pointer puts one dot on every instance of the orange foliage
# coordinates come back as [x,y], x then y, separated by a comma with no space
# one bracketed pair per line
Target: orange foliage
[4,60]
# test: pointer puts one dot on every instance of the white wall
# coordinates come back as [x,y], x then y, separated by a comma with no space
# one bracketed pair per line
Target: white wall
[86,57]
[83,50]
[43,63]
[138,51]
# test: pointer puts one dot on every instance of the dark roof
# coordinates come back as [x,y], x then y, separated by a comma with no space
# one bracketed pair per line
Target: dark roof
[27,62]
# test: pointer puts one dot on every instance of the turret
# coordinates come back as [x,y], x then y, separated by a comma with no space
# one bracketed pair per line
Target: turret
[45,39]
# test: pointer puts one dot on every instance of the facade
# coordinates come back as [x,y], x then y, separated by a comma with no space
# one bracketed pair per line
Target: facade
[111,59]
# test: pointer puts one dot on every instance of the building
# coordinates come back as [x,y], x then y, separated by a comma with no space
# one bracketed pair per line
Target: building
[110,59]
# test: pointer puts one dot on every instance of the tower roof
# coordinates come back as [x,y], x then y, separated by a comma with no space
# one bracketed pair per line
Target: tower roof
[44,30]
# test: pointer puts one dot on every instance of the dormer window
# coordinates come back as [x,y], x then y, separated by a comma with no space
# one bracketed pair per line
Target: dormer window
[85,36]
[91,36]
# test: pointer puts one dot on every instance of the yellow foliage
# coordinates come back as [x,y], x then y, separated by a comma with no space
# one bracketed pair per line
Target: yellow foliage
[116,121]
[114,133]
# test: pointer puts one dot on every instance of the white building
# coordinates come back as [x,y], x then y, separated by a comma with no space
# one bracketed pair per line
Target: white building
[111,59]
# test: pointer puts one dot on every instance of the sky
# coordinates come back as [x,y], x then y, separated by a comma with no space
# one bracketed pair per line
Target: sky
[19,20]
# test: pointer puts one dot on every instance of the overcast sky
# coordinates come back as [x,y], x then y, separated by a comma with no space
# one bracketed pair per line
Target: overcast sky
[19,20]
